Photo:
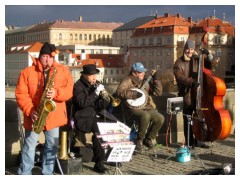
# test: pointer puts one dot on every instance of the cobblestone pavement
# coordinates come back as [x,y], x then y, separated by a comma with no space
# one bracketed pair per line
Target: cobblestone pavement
[163,161]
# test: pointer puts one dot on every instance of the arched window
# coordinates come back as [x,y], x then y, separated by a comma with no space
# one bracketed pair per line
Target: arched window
[60,36]
[90,37]
[94,37]
[80,36]
[71,37]
[76,37]
[85,37]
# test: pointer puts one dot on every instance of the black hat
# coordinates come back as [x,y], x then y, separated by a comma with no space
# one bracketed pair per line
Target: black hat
[48,49]
[90,69]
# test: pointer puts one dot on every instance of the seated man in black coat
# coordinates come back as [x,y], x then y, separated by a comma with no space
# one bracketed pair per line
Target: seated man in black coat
[87,102]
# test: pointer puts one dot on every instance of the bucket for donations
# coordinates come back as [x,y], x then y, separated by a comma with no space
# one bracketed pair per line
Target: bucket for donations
[183,154]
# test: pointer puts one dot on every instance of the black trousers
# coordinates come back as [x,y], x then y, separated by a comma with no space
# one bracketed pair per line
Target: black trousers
[98,151]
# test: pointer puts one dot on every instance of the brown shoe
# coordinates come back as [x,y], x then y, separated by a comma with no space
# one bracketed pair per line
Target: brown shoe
[139,145]
[148,142]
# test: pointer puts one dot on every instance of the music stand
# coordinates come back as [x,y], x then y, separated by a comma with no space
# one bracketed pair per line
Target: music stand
[120,153]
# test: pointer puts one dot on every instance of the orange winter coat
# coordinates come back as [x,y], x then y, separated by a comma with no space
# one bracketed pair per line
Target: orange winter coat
[30,88]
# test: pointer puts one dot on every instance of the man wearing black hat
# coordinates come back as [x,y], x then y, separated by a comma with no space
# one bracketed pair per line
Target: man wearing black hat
[186,72]
[32,83]
[86,101]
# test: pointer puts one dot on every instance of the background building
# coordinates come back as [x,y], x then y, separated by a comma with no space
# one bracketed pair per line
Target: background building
[62,32]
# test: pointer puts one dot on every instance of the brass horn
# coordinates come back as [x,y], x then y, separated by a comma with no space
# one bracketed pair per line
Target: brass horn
[115,101]
[106,95]
[63,154]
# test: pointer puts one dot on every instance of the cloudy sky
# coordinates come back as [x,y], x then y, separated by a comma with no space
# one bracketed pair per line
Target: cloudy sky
[24,15]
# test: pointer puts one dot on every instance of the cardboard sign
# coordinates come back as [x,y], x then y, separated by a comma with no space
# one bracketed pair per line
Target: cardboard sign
[121,153]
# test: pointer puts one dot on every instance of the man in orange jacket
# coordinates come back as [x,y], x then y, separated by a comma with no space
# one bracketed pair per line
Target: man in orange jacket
[29,91]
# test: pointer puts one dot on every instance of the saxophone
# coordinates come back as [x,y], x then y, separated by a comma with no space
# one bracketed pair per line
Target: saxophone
[46,105]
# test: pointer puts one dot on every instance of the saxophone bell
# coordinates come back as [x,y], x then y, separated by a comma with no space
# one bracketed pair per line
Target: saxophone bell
[49,105]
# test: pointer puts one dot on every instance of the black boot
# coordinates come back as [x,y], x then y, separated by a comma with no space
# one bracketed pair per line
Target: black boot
[139,145]
[148,142]
[99,167]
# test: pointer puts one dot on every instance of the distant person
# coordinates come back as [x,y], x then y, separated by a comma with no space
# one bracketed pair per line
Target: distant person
[147,115]
[32,83]
[186,72]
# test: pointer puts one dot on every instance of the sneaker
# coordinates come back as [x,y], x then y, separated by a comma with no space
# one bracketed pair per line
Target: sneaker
[139,145]
[99,167]
[148,142]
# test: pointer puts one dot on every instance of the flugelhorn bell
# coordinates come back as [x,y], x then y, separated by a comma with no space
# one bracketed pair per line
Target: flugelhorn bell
[114,101]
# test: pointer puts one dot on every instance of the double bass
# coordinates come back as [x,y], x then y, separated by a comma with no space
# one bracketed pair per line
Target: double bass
[210,120]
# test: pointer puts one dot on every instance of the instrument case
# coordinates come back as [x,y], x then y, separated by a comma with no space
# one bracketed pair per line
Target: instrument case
[70,166]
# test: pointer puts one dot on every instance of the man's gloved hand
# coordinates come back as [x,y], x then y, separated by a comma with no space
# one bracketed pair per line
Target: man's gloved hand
[136,94]
[155,76]
[204,51]
[195,84]
[209,55]
[99,89]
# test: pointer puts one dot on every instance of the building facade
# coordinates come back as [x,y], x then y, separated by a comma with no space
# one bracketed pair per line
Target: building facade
[62,32]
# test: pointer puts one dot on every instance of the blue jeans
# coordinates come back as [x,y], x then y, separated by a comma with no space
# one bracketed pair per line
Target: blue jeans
[49,152]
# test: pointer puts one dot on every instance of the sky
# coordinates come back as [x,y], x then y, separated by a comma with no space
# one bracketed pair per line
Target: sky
[25,15]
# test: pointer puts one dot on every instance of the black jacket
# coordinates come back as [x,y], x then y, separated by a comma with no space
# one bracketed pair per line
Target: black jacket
[86,103]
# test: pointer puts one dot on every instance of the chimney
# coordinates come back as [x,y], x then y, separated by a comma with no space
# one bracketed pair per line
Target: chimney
[178,15]
[166,14]
[190,19]
[80,18]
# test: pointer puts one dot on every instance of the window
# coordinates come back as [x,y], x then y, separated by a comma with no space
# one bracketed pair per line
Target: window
[76,37]
[94,37]
[169,40]
[135,42]
[92,51]
[159,41]
[60,36]
[168,52]
[159,52]
[101,51]
[105,71]
[151,52]
[151,41]
[71,37]
[109,51]
[85,37]
[90,37]
[80,36]
[143,53]
[219,53]
[143,42]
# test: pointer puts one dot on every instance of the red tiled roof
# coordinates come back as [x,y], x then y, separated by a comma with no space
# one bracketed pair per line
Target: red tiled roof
[170,20]
[212,23]
[102,60]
